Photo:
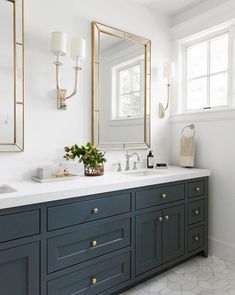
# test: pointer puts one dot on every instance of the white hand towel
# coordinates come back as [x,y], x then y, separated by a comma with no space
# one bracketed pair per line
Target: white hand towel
[187,151]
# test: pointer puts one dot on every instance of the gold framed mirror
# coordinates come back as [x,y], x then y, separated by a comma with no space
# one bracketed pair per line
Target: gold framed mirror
[121,77]
[12,75]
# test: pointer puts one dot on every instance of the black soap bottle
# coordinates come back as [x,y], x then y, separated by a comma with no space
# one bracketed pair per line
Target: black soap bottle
[150,160]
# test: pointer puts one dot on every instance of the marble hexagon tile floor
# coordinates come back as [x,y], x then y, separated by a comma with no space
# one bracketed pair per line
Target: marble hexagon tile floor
[199,276]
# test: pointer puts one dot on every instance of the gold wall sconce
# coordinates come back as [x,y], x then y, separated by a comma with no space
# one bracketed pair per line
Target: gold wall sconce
[59,47]
[168,73]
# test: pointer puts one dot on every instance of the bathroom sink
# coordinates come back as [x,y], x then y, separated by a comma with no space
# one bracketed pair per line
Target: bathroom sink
[6,189]
[144,172]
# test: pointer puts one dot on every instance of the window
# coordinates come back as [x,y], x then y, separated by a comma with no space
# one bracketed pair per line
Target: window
[128,95]
[206,73]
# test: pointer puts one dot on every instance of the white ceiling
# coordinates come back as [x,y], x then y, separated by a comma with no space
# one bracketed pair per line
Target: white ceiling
[170,7]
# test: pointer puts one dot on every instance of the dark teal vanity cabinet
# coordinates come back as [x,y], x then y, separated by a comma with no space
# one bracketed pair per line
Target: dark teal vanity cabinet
[104,243]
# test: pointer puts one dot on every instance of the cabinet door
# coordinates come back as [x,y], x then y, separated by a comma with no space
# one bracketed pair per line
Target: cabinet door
[173,233]
[148,241]
[19,270]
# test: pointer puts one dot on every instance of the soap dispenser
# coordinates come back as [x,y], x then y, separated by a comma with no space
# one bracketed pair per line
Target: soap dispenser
[150,160]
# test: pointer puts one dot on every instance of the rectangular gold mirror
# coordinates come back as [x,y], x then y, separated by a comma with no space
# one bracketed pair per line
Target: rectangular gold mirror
[121,76]
[11,76]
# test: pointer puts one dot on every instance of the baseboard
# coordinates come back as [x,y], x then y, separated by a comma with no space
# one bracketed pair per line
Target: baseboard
[222,249]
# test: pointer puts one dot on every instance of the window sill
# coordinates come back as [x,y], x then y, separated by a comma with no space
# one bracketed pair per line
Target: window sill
[204,115]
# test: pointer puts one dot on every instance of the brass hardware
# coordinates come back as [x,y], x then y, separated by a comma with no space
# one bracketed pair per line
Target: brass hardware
[164,196]
[198,189]
[160,219]
[167,217]
[93,243]
[95,211]
[93,281]
[196,212]
[196,238]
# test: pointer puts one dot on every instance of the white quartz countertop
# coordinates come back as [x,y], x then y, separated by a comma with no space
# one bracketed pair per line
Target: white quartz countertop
[30,192]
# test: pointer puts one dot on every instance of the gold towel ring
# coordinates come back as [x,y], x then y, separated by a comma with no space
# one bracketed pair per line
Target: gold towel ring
[191,126]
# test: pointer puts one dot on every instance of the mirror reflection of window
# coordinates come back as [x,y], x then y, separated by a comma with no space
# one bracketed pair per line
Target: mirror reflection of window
[128,81]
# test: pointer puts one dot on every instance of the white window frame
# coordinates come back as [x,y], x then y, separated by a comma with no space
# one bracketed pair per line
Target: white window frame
[206,37]
[115,100]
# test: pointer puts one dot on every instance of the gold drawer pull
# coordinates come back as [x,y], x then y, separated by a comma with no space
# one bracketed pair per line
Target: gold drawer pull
[167,217]
[196,212]
[196,238]
[95,211]
[163,196]
[160,219]
[93,280]
[93,243]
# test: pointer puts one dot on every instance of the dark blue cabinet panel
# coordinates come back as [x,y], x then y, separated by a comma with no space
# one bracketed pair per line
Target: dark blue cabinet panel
[81,212]
[88,241]
[19,270]
[148,241]
[173,233]
[159,195]
[93,279]
[196,211]
[19,225]
[196,188]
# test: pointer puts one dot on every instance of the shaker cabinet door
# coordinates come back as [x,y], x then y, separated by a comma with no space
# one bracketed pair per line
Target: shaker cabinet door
[19,270]
[173,233]
[148,241]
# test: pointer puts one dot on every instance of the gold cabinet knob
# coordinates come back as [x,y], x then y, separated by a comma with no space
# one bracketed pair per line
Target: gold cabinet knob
[196,212]
[95,211]
[164,196]
[198,189]
[93,243]
[167,217]
[93,280]
[160,219]
[196,238]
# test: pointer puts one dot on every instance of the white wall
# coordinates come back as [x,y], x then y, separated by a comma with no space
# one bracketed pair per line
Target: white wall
[47,129]
[215,147]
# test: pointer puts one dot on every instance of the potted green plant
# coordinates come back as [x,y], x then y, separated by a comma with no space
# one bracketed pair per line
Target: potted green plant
[92,158]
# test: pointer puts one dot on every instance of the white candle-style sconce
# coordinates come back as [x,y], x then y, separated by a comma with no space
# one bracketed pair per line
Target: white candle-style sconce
[59,46]
[168,73]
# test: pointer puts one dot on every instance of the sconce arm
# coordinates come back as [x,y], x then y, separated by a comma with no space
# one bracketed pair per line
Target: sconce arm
[168,96]
[77,69]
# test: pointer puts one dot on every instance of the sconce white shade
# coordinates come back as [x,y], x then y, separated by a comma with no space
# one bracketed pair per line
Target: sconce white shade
[78,49]
[169,70]
[59,43]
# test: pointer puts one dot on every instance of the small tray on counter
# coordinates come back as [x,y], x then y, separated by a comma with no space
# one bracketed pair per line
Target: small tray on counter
[55,179]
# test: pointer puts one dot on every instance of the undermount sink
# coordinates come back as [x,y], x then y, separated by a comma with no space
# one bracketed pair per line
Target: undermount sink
[6,189]
[144,172]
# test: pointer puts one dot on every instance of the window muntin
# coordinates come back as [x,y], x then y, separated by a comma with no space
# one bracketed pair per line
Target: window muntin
[128,97]
[206,83]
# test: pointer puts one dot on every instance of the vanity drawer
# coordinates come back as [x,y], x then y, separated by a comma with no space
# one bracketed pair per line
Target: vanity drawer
[195,238]
[19,225]
[195,211]
[196,189]
[94,279]
[86,242]
[158,196]
[80,212]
